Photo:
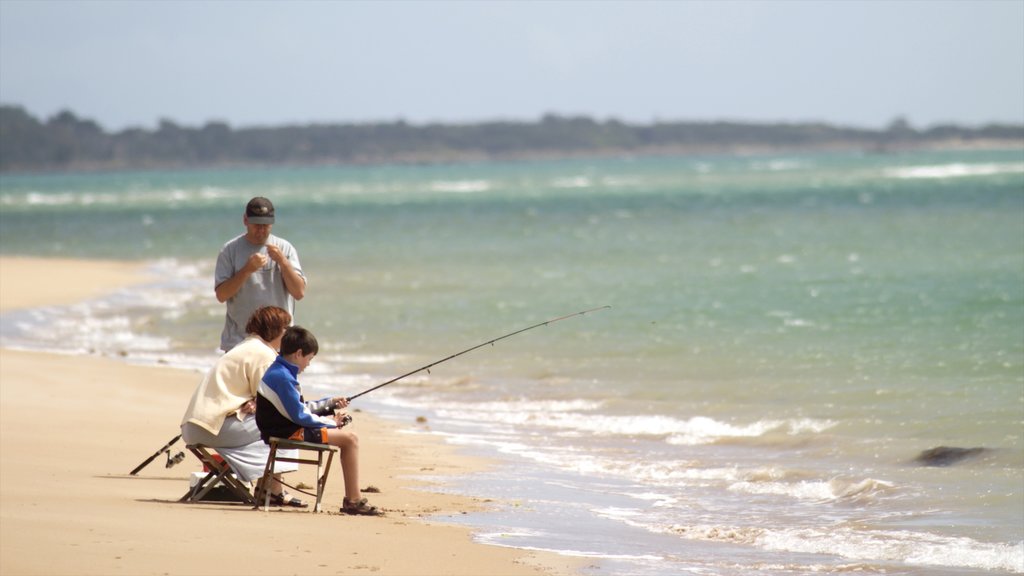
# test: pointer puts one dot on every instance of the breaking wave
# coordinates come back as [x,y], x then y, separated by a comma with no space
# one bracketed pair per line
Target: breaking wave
[889,545]
[955,170]
[577,417]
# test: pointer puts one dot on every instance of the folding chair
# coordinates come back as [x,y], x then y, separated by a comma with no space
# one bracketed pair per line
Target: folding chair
[220,474]
[322,468]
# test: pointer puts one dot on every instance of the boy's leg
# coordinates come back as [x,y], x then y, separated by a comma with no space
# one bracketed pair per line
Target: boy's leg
[348,442]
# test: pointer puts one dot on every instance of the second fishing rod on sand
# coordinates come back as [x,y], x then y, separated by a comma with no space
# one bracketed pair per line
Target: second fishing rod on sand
[171,461]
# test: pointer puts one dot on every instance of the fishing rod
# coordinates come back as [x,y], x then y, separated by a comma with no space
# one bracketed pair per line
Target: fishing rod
[491,342]
[171,460]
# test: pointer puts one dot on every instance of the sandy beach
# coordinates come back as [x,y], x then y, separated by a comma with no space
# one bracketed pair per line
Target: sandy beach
[72,427]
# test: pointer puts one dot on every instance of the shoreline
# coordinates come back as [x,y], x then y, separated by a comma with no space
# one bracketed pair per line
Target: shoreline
[72,427]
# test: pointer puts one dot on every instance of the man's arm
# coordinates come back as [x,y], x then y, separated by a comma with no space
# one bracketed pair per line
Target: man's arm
[293,281]
[228,288]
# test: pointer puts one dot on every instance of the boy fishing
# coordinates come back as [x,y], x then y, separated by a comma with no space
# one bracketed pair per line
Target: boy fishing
[282,412]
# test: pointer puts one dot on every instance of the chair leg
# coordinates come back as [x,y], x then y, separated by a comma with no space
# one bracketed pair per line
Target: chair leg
[268,473]
[207,486]
[321,479]
[240,489]
[194,492]
[220,473]
[322,468]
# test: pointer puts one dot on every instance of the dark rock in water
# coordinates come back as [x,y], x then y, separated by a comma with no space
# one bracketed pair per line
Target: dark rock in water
[947,455]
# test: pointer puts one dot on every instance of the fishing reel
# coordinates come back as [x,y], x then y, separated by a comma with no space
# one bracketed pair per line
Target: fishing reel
[345,420]
[176,459]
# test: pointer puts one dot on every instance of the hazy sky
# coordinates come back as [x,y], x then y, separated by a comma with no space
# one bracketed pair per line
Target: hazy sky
[853,63]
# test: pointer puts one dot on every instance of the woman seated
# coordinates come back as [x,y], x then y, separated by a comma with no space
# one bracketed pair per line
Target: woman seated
[222,412]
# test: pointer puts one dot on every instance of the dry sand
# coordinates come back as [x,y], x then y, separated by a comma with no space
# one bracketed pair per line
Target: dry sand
[72,427]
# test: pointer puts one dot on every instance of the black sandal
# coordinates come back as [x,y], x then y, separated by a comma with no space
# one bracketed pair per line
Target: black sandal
[281,499]
[359,508]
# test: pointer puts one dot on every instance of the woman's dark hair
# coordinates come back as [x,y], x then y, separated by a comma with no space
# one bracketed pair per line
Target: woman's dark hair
[298,338]
[268,322]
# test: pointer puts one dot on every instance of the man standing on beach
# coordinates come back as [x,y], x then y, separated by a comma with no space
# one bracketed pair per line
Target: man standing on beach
[256,269]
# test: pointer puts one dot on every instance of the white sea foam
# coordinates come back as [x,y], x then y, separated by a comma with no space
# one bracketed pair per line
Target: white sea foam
[779,164]
[700,430]
[503,539]
[955,170]
[812,425]
[577,417]
[82,329]
[57,199]
[622,182]
[915,548]
[117,324]
[214,193]
[903,546]
[670,473]
[460,186]
[574,182]
[40,199]
[861,491]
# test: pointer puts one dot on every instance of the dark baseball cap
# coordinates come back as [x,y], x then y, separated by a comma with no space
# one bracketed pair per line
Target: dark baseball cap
[259,210]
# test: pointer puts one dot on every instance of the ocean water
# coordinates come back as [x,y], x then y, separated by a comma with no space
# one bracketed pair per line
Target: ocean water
[785,335]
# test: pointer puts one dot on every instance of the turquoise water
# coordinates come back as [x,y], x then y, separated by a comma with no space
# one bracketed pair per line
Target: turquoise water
[786,334]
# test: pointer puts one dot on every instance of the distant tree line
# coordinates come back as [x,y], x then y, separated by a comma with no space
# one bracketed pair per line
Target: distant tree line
[66,142]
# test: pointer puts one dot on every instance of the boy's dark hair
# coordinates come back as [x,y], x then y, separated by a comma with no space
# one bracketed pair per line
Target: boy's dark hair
[268,322]
[298,338]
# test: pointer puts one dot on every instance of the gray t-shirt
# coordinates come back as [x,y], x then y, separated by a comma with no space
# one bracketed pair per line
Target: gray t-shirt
[265,287]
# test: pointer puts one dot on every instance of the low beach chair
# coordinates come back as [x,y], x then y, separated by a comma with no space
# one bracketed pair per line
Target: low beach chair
[322,467]
[219,475]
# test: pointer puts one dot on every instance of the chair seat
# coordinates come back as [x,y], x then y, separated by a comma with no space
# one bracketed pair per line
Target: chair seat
[323,467]
[219,474]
